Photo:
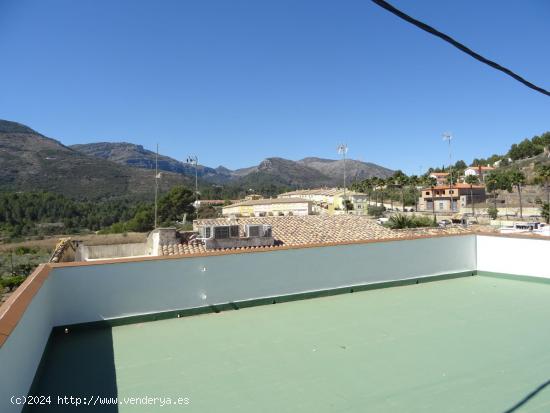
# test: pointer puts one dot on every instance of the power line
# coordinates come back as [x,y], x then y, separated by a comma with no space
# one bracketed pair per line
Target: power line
[459,46]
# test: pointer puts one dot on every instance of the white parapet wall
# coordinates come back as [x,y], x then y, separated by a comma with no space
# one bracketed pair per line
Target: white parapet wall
[101,291]
[21,353]
[516,256]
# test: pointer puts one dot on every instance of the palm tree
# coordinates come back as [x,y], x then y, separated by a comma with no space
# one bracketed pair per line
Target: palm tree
[543,176]
[414,181]
[401,180]
[367,186]
[389,181]
[378,185]
[452,178]
[432,183]
[472,180]
[517,179]
[492,184]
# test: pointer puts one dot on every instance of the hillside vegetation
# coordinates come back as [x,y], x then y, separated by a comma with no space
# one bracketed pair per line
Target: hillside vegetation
[33,162]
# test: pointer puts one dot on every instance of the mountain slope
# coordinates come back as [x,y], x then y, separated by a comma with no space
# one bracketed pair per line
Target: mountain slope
[355,170]
[32,162]
[283,172]
[274,172]
[137,156]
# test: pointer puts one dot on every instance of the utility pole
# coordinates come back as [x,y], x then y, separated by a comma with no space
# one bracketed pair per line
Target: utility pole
[157,177]
[194,160]
[447,136]
[343,150]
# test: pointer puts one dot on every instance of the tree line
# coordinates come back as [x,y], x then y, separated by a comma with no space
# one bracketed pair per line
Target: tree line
[525,149]
[45,213]
[404,188]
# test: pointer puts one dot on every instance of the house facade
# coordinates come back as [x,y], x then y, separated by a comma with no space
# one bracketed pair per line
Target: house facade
[330,200]
[480,171]
[450,199]
[440,177]
[269,207]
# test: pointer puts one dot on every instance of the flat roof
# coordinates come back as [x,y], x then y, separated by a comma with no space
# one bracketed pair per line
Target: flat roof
[472,344]
[320,191]
[269,201]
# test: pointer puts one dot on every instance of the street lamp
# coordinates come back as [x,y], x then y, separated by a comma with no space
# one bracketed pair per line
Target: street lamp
[157,177]
[447,136]
[343,150]
[194,160]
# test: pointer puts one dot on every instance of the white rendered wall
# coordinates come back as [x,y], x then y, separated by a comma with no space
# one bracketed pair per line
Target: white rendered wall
[518,256]
[21,353]
[97,292]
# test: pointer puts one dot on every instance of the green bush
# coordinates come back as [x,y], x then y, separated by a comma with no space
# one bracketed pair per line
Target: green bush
[401,221]
[493,212]
[25,250]
[545,212]
[376,211]
[11,282]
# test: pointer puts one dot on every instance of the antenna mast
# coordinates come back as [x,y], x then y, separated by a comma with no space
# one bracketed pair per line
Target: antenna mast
[447,136]
[343,150]
[156,184]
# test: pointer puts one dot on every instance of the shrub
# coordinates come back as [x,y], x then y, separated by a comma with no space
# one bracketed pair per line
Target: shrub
[401,221]
[376,211]
[545,212]
[25,250]
[11,282]
[493,212]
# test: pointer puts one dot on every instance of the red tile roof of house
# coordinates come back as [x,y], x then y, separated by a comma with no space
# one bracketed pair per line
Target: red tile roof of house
[458,185]
[483,168]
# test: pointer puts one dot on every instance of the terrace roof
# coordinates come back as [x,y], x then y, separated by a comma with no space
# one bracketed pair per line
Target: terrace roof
[473,344]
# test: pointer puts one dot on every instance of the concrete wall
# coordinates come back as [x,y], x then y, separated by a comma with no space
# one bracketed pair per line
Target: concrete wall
[518,256]
[87,252]
[91,293]
[95,292]
[21,353]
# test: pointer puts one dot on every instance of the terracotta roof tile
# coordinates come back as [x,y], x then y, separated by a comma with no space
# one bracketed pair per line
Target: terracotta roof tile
[310,229]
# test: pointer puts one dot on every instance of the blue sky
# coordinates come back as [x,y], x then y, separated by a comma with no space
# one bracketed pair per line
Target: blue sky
[238,81]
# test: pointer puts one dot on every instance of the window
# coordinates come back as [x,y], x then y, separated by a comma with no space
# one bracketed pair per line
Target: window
[441,205]
[207,232]
[221,232]
[234,231]
[427,192]
[254,231]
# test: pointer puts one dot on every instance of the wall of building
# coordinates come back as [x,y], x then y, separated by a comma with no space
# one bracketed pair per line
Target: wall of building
[76,294]
[21,353]
[519,256]
[90,252]
[298,208]
[96,292]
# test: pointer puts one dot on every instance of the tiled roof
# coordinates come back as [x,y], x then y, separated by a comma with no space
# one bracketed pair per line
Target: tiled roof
[269,201]
[458,185]
[310,229]
[319,191]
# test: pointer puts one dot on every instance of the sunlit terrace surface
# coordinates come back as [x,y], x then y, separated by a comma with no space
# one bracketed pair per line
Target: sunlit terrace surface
[428,324]
[469,344]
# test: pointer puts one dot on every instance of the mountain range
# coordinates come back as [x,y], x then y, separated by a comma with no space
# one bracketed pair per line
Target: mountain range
[305,172]
[32,161]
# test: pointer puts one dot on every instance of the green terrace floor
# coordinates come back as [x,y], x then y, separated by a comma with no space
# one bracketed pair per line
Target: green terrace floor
[472,344]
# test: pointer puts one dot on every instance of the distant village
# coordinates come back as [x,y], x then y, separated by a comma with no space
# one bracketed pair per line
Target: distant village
[448,197]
